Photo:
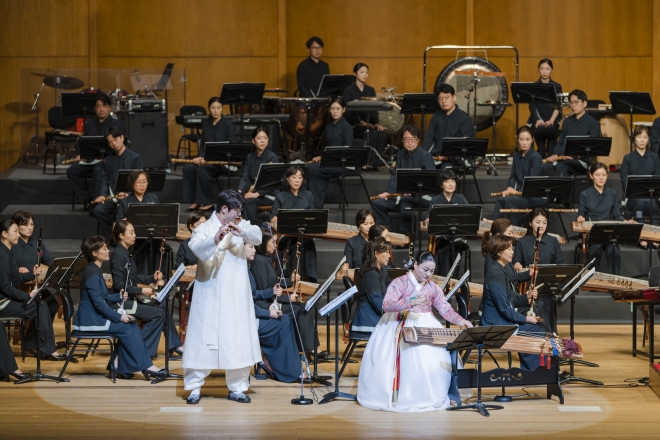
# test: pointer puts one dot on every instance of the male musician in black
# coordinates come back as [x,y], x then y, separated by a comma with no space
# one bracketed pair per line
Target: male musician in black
[579,124]
[409,157]
[655,136]
[450,121]
[96,126]
[311,70]
[121,159]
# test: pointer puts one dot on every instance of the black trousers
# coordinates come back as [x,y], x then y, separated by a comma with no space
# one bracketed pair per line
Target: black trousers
[546,139]
[105,213]
[317,180]
[77,173]
[377,140]
[153,323]
[198,183]
[644,206]
[46,343]
[251,208]
[7,359]
[596,251]
[566,167]
[382,209]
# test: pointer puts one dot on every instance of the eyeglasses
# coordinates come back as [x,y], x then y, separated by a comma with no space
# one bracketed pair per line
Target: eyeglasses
[316,47]
[575,102]
[410,140]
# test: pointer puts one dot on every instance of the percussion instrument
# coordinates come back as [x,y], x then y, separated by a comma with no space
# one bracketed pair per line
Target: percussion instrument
[62,82]
[209,162]
[393,120]
[548,345]
[649,232]
[116,96]
[498,194]
[342,232]
[563,98]
[308,116]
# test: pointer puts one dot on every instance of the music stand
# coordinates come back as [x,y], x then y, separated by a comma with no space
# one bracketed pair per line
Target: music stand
[588,146]
[271,176]
[641,187]
[632,103]
[153,219]
[414,180]
[156,180]
[615,234]
[93,148]
[420,104]
[555,276]
[230,152]
[481,338]
[550,188]
[464,147]
[367,107]
[78,104]
[454,221]
[334,85]
[344,157]
[533,93]
[242,93]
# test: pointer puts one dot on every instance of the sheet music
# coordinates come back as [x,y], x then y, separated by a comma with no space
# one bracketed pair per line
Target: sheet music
[458,285]
[310,303]
[335,303]
[171,283]
[451,271]
[577,285]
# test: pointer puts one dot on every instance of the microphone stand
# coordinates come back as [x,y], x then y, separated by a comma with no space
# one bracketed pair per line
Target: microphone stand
[302,400]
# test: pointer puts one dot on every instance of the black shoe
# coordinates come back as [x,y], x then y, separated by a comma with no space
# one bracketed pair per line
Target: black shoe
[20,376]
[176,354]
[59,357]
[86,206]
[239,397]
[148,374]
[193,399]
[262,372]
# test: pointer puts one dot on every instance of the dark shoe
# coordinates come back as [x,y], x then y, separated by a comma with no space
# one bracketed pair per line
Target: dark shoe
[59,357]
[262,372]
[175,354]
[193,400]
[86,206]
[148,374]
[239,397]
[21,376]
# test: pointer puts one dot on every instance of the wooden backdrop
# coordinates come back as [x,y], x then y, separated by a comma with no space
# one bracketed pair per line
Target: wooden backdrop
[596,45]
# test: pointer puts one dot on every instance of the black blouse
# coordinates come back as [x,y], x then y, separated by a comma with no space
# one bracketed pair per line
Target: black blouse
[10,279]
[122,208]
[353,93]
[353,251]
[222,131]
[118,262]
[27,255]
[184,255]
[287,200]
[339,134]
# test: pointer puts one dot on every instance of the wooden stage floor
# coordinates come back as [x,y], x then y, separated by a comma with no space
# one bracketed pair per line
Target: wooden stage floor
[91,406]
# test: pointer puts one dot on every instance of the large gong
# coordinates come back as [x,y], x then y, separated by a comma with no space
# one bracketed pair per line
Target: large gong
[489,88]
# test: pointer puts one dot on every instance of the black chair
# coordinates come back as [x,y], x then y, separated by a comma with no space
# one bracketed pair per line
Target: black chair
[11,322]
[56,143]
[194,134]
[92,336]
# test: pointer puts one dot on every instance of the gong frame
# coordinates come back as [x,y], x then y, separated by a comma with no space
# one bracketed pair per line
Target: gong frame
[452,47]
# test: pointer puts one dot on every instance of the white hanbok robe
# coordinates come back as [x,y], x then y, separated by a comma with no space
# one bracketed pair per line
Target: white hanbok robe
[222,328]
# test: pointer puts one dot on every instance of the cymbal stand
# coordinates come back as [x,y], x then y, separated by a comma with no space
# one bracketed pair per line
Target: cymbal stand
[32,153]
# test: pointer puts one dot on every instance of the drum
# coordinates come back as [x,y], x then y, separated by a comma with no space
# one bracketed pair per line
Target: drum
[115,96]
[392,120]
[563,98]
[308,115]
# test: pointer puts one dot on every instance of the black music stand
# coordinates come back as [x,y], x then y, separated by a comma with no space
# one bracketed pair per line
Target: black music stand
[242,93]
[334,85]
[555,276]
[615,234]
[414,180]
[156,181]
[632,103]
[549,188]
[641,187]
[454,221]
[464,148]
[420,104]
[78,104]
[344,157]
[493,106]
[93,148]
[367,107]
[587,146]
[153,219]
[481,338]
[271,176]
[227,152]
[61,267]
[533,93]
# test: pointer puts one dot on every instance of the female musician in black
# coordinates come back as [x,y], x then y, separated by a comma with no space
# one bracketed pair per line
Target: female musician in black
[599,203]
[266,276]
[294,197]
[373,287]
[544,118]
[549,253]
[197,176]
[184,255]
[12,299]
[260,154]
[153,316]
[361,120]
[138,181]
[95,314]
[8,365]
[364,220]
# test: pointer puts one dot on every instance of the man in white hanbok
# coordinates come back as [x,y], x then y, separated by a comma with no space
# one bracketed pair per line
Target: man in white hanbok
[222,329]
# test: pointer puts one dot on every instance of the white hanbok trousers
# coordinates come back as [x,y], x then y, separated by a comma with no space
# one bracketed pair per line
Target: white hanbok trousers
[238,380]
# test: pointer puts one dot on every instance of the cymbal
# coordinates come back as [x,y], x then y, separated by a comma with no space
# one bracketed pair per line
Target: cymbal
[43,75]
[479,73]
[63,82]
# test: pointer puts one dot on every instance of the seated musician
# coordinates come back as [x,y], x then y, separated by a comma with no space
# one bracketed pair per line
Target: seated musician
[184,255]
[549,253]
[8,366]
[12,299]
[294,197]
[641,162]
[363,120]
[338,133]
[364,220]
[153,316]
[544,118]
[311,70]
[197,176]
[450,121]
[502,226]
[78,172]
[277,337]
[424,374]
[373,287]
[26,254]
[497,307]
[599,203]
[121,159]
[96,314]
[411,156]
[138,181]
[579,124]
[262,197]
[526,162]
[266,276]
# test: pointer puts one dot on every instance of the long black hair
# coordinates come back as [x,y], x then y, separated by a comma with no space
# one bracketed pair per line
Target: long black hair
[378,244]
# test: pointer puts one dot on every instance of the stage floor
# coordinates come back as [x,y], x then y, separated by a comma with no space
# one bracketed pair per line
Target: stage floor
[91,406]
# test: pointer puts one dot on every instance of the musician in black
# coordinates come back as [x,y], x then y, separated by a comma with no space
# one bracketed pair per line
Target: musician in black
[544,118]
[294,197]
[78,172]
[363,120]
[409,157]
[8,365]
[641,162]
[599,203]
[12,298]
[338,133]
[579,124]
[311,70]
[655,135]
[526,163]
[121,159]
[197,176]
[260,154]
[450,121]
[364,220]
[266,276]
[184,255]
[152,316]
[138,181]
[549,253]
